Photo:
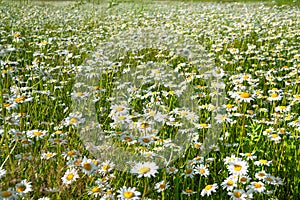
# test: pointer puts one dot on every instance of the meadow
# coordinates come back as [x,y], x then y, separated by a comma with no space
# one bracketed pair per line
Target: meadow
[149,100]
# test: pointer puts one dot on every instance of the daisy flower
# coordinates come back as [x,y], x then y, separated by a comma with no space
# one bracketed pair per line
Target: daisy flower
[238,167]
[70,176]
[202,170]
[172,170]
[274,97]
[209,189]
[262,163]
[161,186]
[249,156]
[188,192]
[238,195]
[23,187]
[229,183]
[8,194]
[261,175]
[95,191]
[244,97]
[244,179]
[88,166]
[106,166]
[146,169]
[48,155]
[36,133]
[128,193]
[257,187]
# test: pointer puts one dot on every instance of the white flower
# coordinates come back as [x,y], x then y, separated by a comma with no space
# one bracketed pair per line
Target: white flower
[238,195]
[23,187]
[238,167]
[146,169]
[229,183]
[128,193]
[161,186]
[70,176]
[202,170]
[257,186]
[209,189]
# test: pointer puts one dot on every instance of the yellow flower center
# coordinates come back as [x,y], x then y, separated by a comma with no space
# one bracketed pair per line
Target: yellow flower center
[202,171]
[37,133]
[96,189]
[121,117]
[128,139]
[237,194]
[105,167]
[274,135]
[162,186]
[229,106]
[230,182]
[263,161]
[189,170]
[48,155]
[70,153]
[144,170]
[204,125]
[119,108]
[257,185]
[21,188]
[172,169]
[87,166]
[128,194]
[243,179]
[189,191]
[274,95]
[73,120]
[237,168]
[70,177]
[245,95]
[146,140]
[246,77]
[248,154]
[6,194]
[208,187]
[6,105]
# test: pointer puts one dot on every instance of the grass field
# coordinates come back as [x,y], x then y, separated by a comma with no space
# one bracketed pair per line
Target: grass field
[149,100]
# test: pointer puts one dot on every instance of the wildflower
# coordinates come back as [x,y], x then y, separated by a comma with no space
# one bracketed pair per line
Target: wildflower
[244,179]
[172,170]
[74,119]
[189,172]
[249,156]
[257,187]
[244,97]
[106,167]
[238,195]
[48,155]
[95,191]
[146,169]
[70,176]
[238,167]
[262,163]
[8,194]
[202,170]
[161,186]
[128,193]
[188,192]
[87,166]
[36,134]
[23,187]
[209,189]
[229,183]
